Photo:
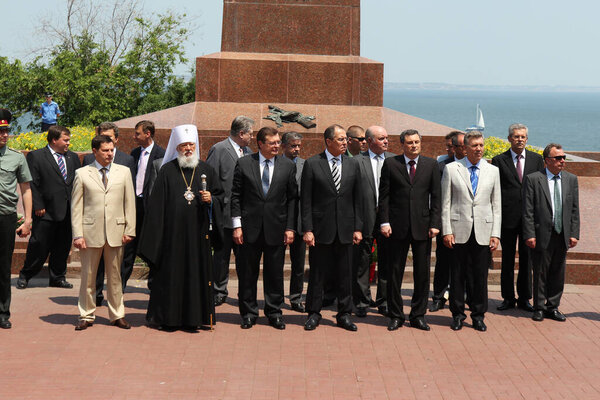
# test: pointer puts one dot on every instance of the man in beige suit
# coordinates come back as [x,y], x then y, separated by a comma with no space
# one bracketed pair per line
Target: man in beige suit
[103,219]
[471,218]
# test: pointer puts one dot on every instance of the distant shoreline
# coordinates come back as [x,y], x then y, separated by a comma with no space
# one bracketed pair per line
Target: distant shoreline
[480,88]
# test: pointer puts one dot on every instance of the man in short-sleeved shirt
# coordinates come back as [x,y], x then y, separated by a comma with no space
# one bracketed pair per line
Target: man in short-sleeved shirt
[13,169]
[49,112]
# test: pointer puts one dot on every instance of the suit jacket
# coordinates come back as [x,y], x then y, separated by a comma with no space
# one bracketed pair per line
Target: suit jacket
[49,190]
[462,211]
[156,165]
[299,168]
[537,208]
[326,212]
[415,207]
[157,152]
[119,158]
[443,162]
[272,214]
[223,158]
[511,188]
[369,197]
[102,215]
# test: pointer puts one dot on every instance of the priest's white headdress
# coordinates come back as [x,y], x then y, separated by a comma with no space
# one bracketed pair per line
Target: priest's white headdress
[181,134]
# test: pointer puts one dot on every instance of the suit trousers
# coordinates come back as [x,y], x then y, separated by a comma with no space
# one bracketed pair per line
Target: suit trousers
[298,258]
[332,263]
[443,264]
[248,271]
[90,257]
[470,270]
[221,259]
[508,240]
[549,273]
[8,224]
[420,276]
[361,265]
[48,237]
[383,267]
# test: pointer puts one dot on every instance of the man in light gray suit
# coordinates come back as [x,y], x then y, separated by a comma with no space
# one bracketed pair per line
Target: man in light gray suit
[291,144]
[550,228]
[471,220]
[222,157]
[370,163]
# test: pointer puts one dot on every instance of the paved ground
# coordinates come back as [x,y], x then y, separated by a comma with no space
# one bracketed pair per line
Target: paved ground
[43,357]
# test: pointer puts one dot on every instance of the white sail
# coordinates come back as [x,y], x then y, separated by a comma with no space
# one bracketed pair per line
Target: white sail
[480,123]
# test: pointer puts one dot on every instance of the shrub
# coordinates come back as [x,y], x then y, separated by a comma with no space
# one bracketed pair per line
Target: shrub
[494,146]
[81,139]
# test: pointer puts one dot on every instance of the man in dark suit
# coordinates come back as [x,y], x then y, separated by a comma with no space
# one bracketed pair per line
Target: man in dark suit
[291,143]
[514,164]
[143,157]
[111,130]
[550,228]
[370,163]
[332,222]
[471,220]
[263,211]
[409,211]
[52,169]
[223,157]
[444,256]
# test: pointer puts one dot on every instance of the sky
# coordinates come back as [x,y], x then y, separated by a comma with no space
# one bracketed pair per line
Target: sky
[464,42]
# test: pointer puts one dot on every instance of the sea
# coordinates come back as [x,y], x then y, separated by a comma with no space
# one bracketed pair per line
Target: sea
[569,118]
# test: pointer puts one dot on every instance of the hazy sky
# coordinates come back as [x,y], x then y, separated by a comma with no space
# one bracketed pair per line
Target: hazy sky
[510,42]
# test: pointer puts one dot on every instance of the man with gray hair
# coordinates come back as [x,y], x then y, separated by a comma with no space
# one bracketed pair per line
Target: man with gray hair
[514,164]
[223,157]
[291,144]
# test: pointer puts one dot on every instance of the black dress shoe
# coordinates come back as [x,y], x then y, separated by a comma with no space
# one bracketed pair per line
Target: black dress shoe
[220,300]
[312,322]
[5,324]
[277,323]
[479,325]
[395,323]
[61,284]
[419,324]
[525,306]
[345,322]
[361,312]
[83,325]
[21,283]
[247,323]
[506,305]
[298,307]
[556,315]
[382,310]
[436,305]
[457,324]
[538,315]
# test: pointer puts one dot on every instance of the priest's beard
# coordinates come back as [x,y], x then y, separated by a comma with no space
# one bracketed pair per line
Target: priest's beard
[187,162]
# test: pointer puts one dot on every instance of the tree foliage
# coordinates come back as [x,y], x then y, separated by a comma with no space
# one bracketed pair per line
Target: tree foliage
[103,69]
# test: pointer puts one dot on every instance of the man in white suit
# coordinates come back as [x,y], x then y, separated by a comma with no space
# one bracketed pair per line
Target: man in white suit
[103,221]
[471,219]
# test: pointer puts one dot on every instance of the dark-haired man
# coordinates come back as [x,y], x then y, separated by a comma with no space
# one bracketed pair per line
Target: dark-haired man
[53,170]
[49,111]
[357,141]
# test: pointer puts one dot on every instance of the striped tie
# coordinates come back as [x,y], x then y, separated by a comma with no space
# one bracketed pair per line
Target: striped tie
[335,173]
[61,166]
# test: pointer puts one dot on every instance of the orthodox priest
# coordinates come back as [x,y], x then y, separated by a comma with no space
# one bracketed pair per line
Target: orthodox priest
[180,226]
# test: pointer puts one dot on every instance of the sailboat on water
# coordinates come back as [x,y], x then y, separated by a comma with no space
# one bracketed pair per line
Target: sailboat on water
[479,123]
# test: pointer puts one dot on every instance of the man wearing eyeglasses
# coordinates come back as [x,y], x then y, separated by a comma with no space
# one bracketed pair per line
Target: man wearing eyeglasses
[550,228]
[357,141]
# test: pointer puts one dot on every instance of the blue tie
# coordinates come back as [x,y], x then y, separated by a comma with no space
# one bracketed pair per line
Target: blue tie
[265,177]
[474,179]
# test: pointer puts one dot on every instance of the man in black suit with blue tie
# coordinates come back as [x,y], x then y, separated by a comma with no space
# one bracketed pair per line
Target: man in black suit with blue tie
[53,170]
[331,219]
[263,210]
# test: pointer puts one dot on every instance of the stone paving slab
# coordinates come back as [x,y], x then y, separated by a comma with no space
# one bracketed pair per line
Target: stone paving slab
[43,357]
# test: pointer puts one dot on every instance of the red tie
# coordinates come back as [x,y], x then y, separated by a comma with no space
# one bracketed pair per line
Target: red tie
[413,170]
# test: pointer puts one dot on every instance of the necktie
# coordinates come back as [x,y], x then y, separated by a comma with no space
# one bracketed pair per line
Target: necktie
[61,166]
[335,173]
[141,173]
[413,170]
[558,223]
[265,177]
[519,170]
[474,179]
[379,159]
[104,178]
